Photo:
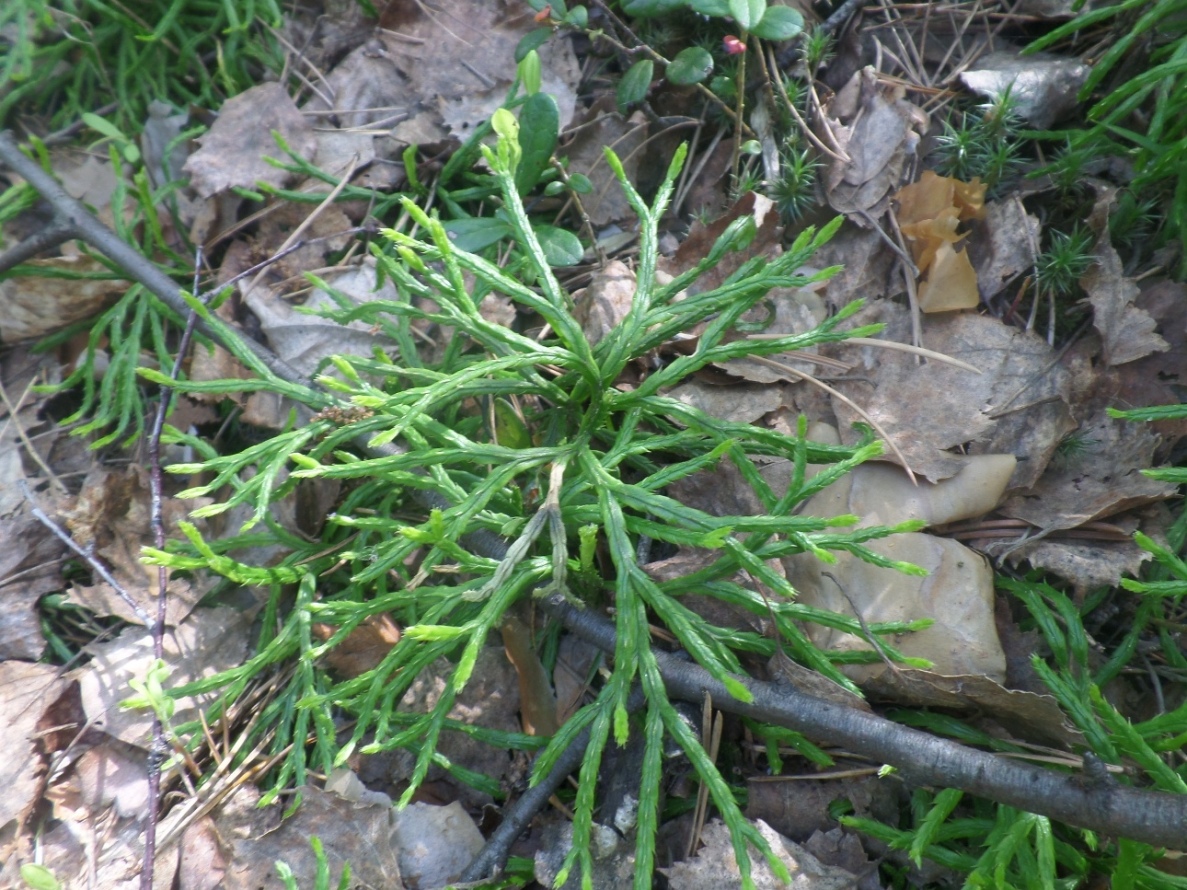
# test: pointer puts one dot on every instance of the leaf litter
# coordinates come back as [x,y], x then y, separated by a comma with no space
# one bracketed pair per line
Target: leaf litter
[980,443]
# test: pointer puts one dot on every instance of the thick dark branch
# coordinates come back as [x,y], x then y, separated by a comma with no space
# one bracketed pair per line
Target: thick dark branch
[1153,817]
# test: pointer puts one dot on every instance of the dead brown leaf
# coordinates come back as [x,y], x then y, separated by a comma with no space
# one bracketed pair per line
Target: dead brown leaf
[490,699]
[112,515]
[932,408]
[879,132]
[233,150]
[363,648]
[1003,245]
[537,702]
[39,304]
[1126,332]
[1100,478]
[30,567]
[597,128]
[208,641]
[349,833]
[305,340]
[602,306]
[27,692]
[440,70]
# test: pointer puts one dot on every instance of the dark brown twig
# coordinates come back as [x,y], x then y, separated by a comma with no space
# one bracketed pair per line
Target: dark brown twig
[1153,817]
[158,747]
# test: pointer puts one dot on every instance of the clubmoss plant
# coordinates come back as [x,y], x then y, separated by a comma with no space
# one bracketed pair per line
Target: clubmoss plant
[590,466]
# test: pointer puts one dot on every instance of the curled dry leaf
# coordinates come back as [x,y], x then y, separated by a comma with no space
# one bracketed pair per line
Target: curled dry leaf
[27,692]
[879,131]
[930,211]
[1126,332]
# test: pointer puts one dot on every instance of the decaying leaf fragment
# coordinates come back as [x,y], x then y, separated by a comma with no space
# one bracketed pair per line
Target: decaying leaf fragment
[1126,332]
[930,211]
[958,591]
[879,131]
[34,306]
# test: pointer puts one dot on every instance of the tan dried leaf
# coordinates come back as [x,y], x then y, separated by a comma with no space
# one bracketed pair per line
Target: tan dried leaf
[1126,332]
[34,306]
[27,692]
[208,641]
[233,150]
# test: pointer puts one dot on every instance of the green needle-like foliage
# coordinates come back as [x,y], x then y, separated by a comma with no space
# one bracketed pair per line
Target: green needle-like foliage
[526,513]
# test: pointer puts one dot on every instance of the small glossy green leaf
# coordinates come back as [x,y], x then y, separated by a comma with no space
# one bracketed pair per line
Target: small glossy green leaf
[747,13]
[510,430]
[690,66]
[635,83]
[779,23]
[650,8]
[715,8]
[39,877]
[476,233]
[530,73]
[580,183]
[530,41]
[561,247]
[539,128]
[578,17]
[554,188]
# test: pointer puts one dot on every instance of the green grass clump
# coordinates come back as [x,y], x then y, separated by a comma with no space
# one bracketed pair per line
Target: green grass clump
[1139,115]
[68,57]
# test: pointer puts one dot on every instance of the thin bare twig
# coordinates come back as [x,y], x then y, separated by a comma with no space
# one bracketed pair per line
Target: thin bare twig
[87,555]
[159,747]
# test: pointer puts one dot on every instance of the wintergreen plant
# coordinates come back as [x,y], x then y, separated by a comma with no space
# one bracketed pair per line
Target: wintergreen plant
[581,470]
[695,64]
